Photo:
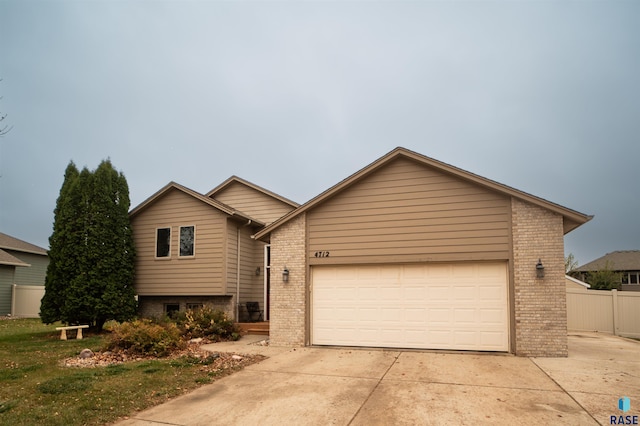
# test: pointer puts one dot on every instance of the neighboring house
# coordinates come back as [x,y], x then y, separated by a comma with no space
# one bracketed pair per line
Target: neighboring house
[626,262]
[21,264]
[410,252]
[576,284]
[194,249]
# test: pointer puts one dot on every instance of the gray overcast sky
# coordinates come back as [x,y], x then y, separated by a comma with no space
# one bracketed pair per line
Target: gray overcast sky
[295,96]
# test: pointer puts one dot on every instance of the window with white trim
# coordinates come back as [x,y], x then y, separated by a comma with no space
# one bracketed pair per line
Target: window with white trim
[163,242]
[187,241]
[631,278]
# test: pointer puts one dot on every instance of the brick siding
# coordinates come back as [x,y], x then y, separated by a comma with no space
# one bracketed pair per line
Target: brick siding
[287,316]
[540,303]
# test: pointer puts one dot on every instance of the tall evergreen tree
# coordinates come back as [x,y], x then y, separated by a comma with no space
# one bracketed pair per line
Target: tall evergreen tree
[61,260]
[92,278]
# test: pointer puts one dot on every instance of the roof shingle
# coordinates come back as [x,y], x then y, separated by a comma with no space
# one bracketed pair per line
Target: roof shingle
[622,260]
[8,242]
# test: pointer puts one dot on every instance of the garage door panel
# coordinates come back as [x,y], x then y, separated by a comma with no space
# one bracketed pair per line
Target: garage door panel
[492,317]
[368,314]
[442,306]
[414,316]
[464,316]
[439,317]
[465,293]
[491,294]
[391,315]
[439,293]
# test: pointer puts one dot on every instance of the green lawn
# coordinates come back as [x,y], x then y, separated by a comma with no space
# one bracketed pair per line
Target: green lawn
[36,390]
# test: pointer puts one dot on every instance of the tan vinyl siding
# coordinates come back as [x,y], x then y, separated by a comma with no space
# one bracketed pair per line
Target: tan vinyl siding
[251,285]
[408,212]
[253,203]
[34,274]
[202,274]
[232,256]
[251,256]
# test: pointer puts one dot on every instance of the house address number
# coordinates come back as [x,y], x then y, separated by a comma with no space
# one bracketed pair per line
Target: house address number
[322,254]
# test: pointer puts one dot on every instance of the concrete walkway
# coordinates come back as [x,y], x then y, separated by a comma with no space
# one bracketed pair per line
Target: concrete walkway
[329,386]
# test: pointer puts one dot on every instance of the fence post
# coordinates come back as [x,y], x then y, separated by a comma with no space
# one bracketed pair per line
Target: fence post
[614,298]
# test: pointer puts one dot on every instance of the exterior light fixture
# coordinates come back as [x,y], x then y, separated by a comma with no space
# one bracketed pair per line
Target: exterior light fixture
[539,269]
[285,275]
[257,271]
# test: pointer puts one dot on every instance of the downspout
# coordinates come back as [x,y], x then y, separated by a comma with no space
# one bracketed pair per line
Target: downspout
[238,275]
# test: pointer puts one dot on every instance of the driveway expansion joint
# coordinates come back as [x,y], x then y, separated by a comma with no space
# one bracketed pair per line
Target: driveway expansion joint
[564,390]
[395,359]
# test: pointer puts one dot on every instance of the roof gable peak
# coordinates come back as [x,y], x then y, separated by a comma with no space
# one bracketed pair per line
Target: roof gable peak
[573,218]
[196,195]
[236,179]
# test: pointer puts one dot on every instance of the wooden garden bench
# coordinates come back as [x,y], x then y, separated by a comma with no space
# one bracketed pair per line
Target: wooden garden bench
[63,331]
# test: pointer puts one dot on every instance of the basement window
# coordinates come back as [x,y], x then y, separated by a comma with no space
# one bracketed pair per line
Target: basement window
[194,306]
[163,242]
[171,309]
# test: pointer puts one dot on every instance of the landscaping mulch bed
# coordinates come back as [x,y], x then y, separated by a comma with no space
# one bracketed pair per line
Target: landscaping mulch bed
[216,362]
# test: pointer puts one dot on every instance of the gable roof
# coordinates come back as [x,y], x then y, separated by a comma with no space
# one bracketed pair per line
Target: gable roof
[236,179]
[8,242]
[572,218]
[622,260]
[207,200]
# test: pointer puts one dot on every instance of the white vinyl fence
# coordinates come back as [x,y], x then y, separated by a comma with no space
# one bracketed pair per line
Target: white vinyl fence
[25,300]
[612,311]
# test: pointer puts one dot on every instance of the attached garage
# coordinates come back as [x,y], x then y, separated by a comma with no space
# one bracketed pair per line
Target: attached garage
[461,306]
[410,252]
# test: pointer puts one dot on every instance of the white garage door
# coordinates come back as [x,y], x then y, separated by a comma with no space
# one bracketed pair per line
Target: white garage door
[460,306]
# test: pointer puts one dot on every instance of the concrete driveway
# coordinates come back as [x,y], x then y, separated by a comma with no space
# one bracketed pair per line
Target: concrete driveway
[330,386]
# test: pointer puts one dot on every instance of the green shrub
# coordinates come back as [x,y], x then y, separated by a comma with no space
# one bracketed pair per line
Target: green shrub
[207,322]
[145,337]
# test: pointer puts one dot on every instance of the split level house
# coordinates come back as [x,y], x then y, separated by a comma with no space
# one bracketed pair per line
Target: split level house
[197,249]
[408,252]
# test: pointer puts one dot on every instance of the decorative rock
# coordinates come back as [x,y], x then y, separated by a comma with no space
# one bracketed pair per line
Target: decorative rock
[236,357]
[86,353]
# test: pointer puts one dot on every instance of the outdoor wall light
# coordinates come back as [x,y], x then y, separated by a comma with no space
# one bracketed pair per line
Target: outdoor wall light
[539,269]
[257,271]
[285,275]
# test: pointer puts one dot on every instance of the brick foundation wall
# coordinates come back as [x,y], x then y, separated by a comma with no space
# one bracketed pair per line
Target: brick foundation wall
[540,303]
[287,322]
[153,306]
